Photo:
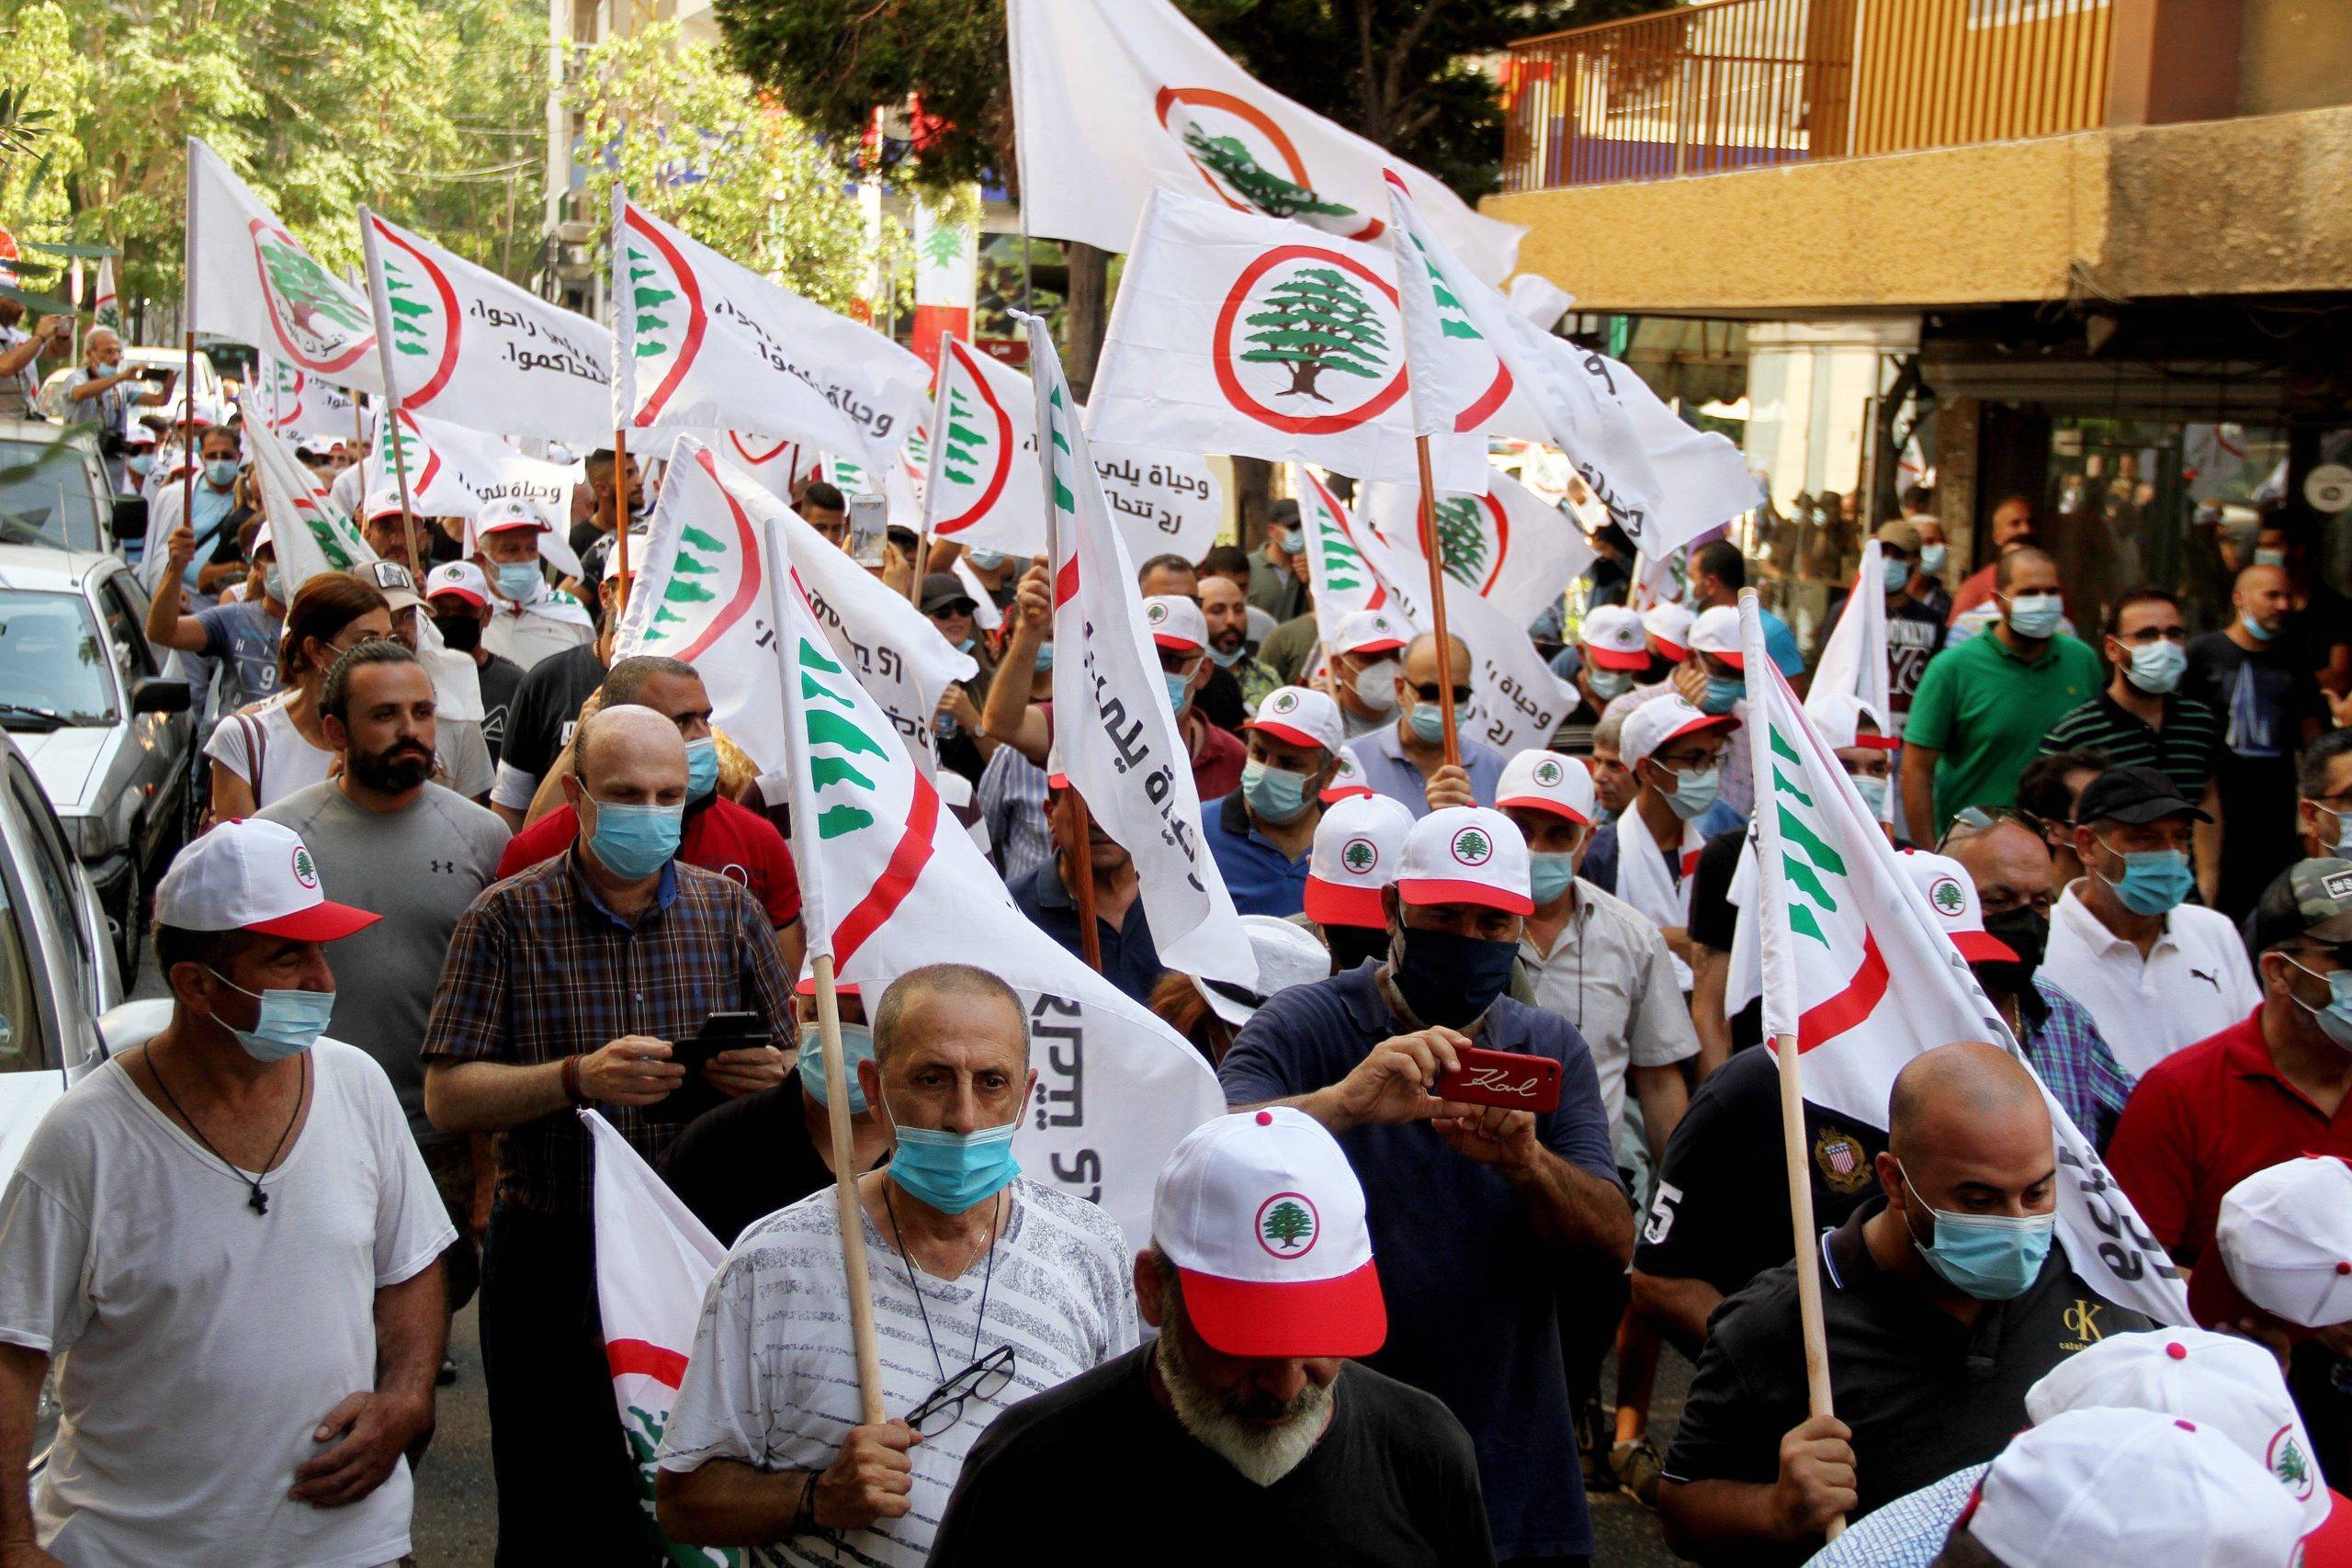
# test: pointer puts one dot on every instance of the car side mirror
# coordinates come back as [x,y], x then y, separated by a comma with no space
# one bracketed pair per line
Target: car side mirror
[131,518]
[155,694]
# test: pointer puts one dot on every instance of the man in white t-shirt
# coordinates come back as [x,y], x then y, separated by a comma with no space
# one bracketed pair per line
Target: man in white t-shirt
[528,620]
[223,1243]
[987,1289]
[2154,973]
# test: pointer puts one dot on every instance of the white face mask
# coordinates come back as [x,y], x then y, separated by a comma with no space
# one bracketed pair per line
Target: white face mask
[1375,687]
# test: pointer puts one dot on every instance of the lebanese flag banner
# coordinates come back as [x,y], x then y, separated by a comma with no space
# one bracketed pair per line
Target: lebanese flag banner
[1661,480]
[455,471]
[706,345]
[249,279]
[1243,335]
[890,882]
[654,1260]
[897,489]
[701,595]
[106,311]
[310,530]
[294,403]
[474,349]
[774,463]
[1115,99]
[1859,969]
[1509,545]
[1342,579]
[1853,661]
[1119,741]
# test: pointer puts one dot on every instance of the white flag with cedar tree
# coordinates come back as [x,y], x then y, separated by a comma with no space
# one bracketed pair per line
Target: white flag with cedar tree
[248,278]
[1509,545]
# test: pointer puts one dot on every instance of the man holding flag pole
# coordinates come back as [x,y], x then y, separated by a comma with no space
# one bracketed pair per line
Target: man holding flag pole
[1998,1246]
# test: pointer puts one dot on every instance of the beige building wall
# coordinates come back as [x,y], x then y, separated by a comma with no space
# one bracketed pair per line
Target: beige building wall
[2294,54]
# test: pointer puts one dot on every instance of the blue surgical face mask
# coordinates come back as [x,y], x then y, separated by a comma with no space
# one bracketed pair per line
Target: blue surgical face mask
[952,1171]
[2153,881]
[1694,792]
[969,644]
[2335,1018]
[2271,558]
[1722,693]
[635,842]
[988,560]
[2156,668]
[2343,850]
[1046,656]
[1428,720]
[857,1045]
[221,472]
[1932,558]
[1180,690]
[1995,1257]
[518,578]
[1872,791]
[1894,574]
[2255,629]
[139,463]
[702,767]
[1286,540]
[1226,659]
[273,583]
[290,1021]
[1276,793]
[1607,683]
[1548,875]
[2035,617]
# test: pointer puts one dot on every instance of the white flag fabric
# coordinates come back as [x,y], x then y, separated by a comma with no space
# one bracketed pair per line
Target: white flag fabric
[773,462]
[706,345]
[897,488]
[294,403]
[890,882]
[251,280]
[1509,545]
[1119,741]
[1112,98]
[1859,969]
[106,311]
[654,1260]
[1243,335]
[701,595]
[474,349]
[309,532]
[455,471]
[1343,582]
[1853,661]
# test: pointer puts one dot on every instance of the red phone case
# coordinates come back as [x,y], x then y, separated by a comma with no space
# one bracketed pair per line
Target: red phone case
[1503,1077]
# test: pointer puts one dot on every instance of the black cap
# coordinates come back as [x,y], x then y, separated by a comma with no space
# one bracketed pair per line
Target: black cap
[2133,796]
[942,589]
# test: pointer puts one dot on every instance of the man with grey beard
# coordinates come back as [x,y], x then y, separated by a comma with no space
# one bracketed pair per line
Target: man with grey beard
[1245,1431]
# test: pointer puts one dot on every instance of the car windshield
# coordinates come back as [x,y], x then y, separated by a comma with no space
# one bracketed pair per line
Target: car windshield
[45,497]
[52,662]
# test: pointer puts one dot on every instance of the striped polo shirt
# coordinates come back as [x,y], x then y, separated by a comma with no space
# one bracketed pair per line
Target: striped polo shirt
[2184,749]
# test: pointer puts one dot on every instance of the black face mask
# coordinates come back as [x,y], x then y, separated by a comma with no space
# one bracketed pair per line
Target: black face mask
[1351,945]
[461,632]
[2027,933]
[1450,979]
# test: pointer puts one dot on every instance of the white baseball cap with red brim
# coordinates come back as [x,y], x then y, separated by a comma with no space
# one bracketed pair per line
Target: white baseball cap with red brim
[1359,844]
[2285,1239]
[1612,635]
[1302,717]
[1368,632]
[1669,625]
[1668,716]
[1176,623]
[1838,716]
[459,578]
[1544,781]
[1466,854]
[264,540]
[1951,892]
[1264,1219]
[1716,632]
[257,876]
[1346,779]
[1287,954]
[508,511]
[384,503]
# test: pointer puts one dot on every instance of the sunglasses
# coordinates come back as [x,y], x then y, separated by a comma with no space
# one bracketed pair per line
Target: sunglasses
[1431,691]
[950,611]
[1977,818]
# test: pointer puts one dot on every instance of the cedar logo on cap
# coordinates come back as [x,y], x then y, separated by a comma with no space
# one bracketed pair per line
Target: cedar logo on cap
[1287,1224]
[1360,855]
[1286,701]
[1547,773]
[1471,847]
[2287,1462]
[1154,614]
[1947,898]
[305,871]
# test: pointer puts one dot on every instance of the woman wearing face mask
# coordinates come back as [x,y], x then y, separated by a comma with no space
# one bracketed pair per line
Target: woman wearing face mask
[243,635]
[265,752]
[964,746]
[1646,856]
[768,1150]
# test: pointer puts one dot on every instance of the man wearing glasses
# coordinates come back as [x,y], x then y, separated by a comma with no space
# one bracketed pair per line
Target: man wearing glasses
[2270,1088]
[1405,761]
[764,1446]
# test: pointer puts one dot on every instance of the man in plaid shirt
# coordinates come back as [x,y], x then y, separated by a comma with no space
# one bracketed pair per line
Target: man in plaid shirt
[567,985]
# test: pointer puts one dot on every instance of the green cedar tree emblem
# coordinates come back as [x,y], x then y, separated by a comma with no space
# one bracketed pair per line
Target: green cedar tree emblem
[332,543]
[1947,897]
[943,247]
[1342,562]
[679,595]
[1289,1226]
[1471,847]
[409,307]
[1238,167]
[837,729]
[959,459]
[648,298]
[1461,540]
[305,871]
[1454,321]
[307,294]
[1319,322]
[1547,773]
[1358,855]
[2288,1465]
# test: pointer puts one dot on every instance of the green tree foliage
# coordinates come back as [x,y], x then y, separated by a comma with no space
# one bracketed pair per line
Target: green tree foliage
[1316,321]
[707,151]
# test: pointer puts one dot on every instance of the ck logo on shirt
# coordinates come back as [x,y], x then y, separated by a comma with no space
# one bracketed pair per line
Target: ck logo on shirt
[2082,1322]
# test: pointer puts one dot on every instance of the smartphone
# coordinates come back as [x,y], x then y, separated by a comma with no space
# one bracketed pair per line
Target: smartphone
[869,529]
[719,1032]
[1503,1077]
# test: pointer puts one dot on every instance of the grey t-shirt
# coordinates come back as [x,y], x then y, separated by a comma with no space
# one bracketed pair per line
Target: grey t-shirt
[418,869]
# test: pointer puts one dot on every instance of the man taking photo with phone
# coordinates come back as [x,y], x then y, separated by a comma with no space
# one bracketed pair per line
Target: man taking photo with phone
[1488,1214]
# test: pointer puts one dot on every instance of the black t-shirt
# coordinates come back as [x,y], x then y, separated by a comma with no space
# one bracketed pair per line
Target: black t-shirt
[545,708]
[1924,1393]
[1714,919]
[746,1159]
[1717,1217]
[500,678]
[1915,634]
[1220,701]
[1084,1473]
[2310,633]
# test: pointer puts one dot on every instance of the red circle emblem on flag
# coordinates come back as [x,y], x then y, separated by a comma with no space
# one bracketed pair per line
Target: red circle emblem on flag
[1310,341]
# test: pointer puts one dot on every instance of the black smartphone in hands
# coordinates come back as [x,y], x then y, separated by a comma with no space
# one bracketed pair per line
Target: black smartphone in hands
[719,1032]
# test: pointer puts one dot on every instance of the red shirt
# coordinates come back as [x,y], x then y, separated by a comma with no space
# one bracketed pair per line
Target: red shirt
[721,837]
[2203,1120]
[1216,767]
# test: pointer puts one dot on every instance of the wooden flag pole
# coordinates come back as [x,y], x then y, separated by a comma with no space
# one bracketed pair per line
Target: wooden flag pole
[379,306]
[1436,554]
[850,1207]
[944,347]
[1088,937]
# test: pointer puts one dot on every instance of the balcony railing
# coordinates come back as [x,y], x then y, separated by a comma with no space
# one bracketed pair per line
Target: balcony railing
[1740,84]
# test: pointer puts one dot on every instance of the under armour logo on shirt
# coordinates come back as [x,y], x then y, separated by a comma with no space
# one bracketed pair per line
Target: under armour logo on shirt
[446,867]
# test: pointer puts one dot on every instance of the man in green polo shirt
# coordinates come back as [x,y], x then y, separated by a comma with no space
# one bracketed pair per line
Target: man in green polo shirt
[1983,706]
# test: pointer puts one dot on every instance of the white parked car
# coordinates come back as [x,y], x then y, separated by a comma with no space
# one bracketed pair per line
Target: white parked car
[54,490]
